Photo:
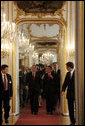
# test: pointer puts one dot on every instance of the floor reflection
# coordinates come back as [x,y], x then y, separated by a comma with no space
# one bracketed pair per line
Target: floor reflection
[64,120]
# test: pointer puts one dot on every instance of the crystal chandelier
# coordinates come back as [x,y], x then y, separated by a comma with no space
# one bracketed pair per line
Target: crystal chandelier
[22,39]
[35,56]
[4,48]
[24,46]
[47,58]
[8,34]
[7,28]
[25,50]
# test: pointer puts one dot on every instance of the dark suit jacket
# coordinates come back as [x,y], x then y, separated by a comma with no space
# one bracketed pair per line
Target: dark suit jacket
[70,85]
[22,79]
[57,80]
[50,86]
[9,86]
[33,84]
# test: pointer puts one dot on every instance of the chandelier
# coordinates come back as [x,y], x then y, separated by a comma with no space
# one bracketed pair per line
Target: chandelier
[4,48]
[7,28]
[8,34]
[47,58]
[24,46]
[35,56]
[25,50]
[22,39]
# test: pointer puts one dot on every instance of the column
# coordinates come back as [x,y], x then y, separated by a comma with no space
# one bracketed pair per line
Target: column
[79,87]
[15,75]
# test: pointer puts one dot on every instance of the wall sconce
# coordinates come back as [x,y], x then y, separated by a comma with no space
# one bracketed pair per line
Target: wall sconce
[71,49]
[4,49]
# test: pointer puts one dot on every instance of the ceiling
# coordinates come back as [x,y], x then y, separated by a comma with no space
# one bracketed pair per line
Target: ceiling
[40,35]
[34,31]
[43,36]
[46,30]
[40,6]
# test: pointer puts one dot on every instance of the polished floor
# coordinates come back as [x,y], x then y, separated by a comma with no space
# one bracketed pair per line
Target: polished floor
[16,120]
[13,120]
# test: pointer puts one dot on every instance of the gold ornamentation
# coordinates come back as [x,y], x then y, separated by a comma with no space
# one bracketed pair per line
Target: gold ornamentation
[39,15]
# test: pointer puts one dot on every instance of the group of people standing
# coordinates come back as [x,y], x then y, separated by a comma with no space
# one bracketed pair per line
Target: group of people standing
[36,82]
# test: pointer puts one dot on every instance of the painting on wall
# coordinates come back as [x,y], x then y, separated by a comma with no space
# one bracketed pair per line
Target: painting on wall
[40,6]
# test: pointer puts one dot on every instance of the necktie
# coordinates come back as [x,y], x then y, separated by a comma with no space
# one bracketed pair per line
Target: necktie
[4,82]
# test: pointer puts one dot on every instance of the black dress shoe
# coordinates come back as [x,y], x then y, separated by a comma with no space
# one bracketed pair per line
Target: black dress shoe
[52,112]
[35,113]
[72,124]
[0,123]
[48,113]
[32,113]
[6,121]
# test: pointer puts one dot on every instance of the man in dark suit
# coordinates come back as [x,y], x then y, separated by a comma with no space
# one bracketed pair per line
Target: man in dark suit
[34,86]
[50,89]
[5,92]
[56,73]
[69,83]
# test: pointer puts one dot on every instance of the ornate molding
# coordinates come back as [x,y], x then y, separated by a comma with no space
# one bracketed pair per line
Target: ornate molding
[39,15]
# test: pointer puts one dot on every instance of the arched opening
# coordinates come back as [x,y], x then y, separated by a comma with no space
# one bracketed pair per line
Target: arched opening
[43,40]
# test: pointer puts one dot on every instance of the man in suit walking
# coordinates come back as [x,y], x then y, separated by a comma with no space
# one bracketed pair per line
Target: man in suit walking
[33,84]
[5,93]
[69,83]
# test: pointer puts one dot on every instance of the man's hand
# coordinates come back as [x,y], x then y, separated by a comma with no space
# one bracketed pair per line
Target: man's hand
[43,77]
[27,88]
[62,93]
[51,76]
[10,98]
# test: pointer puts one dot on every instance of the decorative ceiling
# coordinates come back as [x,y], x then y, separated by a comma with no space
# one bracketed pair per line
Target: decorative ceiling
[47,30]
[39,30]
[40,6]
[41,35]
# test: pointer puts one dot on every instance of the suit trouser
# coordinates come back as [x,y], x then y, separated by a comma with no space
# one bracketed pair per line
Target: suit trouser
[21,97]
[34,100]
[71,110]
[50,101]
[5,104]
[56,100]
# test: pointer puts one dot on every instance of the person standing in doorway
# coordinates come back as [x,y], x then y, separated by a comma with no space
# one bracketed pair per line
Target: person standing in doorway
[5,93]
[69,83]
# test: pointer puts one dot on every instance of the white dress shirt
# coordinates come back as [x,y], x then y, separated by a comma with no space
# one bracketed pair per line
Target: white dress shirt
[72,72]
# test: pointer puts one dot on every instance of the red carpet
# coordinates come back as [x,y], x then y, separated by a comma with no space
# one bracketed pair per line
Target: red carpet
[26,118]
